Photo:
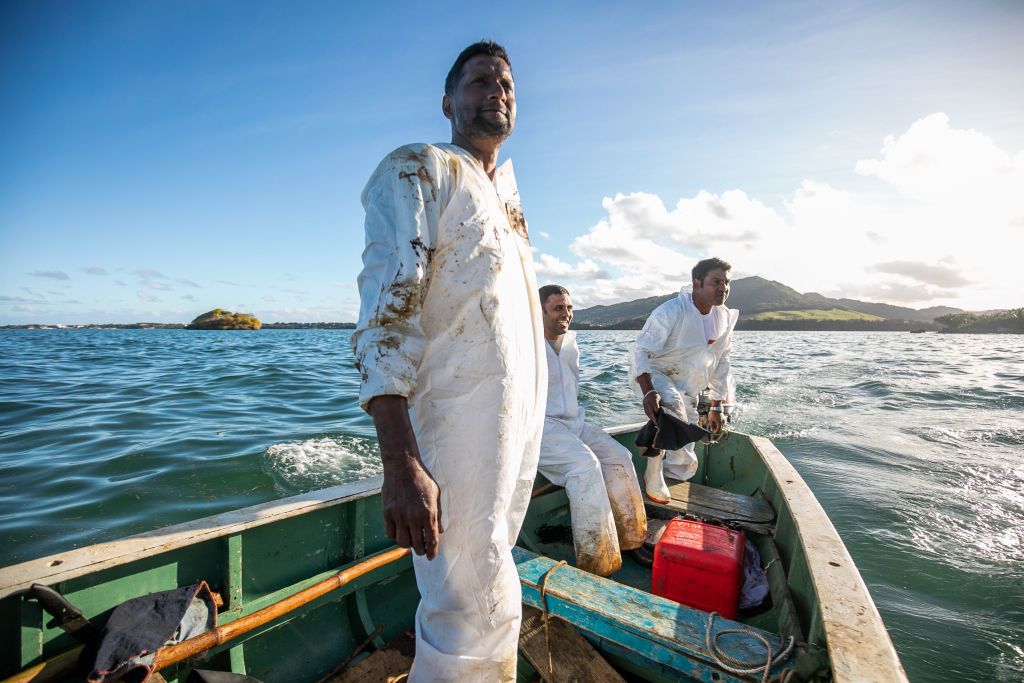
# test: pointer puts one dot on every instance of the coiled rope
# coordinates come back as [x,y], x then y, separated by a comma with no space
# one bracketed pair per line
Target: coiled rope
[737,666]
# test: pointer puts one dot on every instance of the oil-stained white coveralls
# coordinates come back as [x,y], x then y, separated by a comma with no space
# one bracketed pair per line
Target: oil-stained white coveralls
[597,472]
[674,349]
[449,318]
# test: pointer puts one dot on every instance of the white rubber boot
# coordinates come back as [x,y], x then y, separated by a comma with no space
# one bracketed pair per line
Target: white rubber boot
[654,480]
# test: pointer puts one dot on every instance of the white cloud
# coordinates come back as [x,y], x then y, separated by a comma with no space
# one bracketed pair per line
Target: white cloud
[95,270]
[150,274]
[186,282]
[936,163]
[148,298]
[945,227]
[926,273]
[52,274]
[552,268]
[156,285]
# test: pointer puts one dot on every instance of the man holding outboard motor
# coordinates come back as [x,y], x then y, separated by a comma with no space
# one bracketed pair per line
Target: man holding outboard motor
[682,351]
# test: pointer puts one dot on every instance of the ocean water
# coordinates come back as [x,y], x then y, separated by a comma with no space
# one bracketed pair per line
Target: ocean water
[914,445]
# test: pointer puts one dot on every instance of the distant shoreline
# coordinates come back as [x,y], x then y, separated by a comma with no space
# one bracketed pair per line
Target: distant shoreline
[754,325]
[805,326]
[176,326]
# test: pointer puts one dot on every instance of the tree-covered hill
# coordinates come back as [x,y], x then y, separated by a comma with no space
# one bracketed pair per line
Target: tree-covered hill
[1000,322]
[767,304]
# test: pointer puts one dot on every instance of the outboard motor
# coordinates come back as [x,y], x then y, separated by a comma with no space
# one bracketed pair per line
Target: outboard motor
[704,407]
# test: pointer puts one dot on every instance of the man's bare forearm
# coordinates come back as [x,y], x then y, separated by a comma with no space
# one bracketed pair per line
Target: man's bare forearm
[651,400]
[410,497]
[398,448]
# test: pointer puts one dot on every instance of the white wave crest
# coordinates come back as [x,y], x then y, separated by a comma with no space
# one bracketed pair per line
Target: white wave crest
[299,466]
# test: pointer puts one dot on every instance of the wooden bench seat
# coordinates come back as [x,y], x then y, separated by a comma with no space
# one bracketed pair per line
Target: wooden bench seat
[695,499]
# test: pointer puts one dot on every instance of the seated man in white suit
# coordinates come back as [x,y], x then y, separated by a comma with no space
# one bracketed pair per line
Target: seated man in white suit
[597,472]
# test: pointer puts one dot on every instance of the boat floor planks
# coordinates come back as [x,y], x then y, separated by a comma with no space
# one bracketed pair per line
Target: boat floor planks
[390,664]
[695,499]
[572,657]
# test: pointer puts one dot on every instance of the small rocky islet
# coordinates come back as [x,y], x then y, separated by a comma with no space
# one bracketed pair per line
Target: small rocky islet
[219,319]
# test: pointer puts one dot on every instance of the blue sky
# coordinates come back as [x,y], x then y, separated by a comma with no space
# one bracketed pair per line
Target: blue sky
[161,159]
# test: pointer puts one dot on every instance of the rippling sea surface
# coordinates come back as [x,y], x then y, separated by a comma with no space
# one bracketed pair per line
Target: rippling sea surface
[913,443]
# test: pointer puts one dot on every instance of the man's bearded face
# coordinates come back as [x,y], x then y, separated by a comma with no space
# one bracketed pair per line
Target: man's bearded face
[484,103]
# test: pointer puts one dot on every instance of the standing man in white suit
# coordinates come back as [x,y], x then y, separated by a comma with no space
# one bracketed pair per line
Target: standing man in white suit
[605,502]
[451,352]
[682,350]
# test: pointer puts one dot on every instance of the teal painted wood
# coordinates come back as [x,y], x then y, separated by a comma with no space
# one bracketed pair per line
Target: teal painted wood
[233,580]
[236,656]
[643,627]
[31,614]
[358,530]
[358,551]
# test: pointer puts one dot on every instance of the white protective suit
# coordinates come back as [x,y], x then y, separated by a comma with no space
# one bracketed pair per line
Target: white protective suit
[597,472]
[674,349]
[450,319]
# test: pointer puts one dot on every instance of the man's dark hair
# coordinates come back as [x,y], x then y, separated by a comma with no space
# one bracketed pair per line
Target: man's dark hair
[484,47]
[548,290]
[701,270]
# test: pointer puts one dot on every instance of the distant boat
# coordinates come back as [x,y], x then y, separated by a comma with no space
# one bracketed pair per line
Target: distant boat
[313,590]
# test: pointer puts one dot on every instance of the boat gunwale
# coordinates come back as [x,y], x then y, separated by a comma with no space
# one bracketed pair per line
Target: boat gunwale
[72,564]
[859,645]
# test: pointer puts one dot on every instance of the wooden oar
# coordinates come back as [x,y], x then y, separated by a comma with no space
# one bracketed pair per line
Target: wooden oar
[172,654]
[64,664]
[54,669]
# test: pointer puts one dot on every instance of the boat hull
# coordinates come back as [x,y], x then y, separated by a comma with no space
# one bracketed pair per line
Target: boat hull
[256,556]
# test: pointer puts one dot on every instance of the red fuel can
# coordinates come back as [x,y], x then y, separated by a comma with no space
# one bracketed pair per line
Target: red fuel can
[699,565]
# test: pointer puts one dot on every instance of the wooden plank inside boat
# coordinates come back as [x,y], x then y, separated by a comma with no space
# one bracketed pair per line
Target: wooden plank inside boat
[390,664]
[695,499]
[572,658]
[648,631]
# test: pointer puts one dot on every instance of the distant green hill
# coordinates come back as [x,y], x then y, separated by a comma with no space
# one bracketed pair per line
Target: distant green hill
[998,322]
[767,304]
[816,314]
[616,314]
[753,295]
[925,315]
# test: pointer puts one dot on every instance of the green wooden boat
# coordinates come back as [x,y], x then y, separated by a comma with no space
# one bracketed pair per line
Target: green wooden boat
[259,556]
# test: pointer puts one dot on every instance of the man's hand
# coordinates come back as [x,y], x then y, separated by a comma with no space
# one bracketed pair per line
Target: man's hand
[714,422]
[652,400]
[410,496]
[652,405]
[412,510]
